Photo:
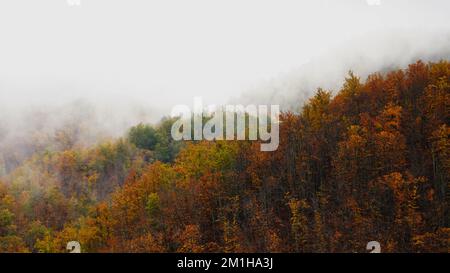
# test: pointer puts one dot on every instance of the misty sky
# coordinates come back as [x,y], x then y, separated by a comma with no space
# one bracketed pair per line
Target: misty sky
[161,53]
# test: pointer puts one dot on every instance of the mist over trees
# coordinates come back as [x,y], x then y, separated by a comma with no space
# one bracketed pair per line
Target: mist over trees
[369,163]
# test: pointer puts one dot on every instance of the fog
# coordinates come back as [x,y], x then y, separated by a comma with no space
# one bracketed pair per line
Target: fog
[105,65]
[375,52]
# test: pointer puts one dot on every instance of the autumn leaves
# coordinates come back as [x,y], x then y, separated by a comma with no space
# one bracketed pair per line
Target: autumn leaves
[369,163]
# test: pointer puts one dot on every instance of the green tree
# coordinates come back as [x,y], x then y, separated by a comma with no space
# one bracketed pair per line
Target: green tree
[143,136]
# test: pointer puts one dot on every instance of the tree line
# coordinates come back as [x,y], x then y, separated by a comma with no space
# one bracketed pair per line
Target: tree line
[370,163]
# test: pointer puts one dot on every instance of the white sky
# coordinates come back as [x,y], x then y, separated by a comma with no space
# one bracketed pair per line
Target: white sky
[165,52]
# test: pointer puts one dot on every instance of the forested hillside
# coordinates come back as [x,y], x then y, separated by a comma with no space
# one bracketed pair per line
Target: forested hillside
[370,163]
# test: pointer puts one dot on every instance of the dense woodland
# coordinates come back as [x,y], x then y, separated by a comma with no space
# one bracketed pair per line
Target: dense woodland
[369,162]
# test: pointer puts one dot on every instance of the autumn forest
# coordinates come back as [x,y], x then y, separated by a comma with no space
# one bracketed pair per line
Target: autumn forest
[368,162]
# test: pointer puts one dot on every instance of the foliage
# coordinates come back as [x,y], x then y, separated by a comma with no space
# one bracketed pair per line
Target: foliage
[369,163]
